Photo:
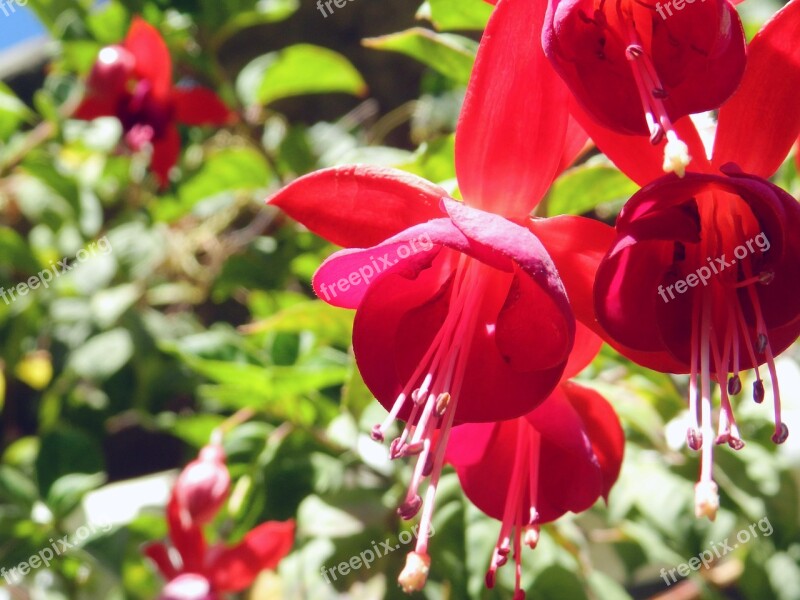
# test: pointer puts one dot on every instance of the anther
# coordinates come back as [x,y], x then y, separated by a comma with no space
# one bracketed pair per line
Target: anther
[409,509]
[694,438]
[656,135]
[634,51]
[758,391]
[377,433]
[531,537]
[734,385]
[766,277]
[762,343]
[781,434]
[396,448]
[442,402]
[660,93]
[735,443]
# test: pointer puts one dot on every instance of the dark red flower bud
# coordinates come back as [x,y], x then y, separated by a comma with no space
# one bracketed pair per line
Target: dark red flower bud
[112,71]
[203,486]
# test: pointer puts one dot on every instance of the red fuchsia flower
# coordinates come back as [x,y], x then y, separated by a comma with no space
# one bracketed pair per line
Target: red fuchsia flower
[460,313]
[560,457]
[193,569]
[203,485]
[704,275]
[133,82]
[637,67]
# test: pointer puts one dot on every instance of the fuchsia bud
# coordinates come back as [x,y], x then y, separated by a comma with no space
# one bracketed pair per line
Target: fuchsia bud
[112,71]
[203,486]
[189,586]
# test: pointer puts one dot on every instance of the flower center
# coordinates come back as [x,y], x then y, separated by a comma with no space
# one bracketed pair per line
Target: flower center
[431,394]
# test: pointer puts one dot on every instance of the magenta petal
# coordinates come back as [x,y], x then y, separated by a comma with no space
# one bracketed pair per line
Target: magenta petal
[344,278]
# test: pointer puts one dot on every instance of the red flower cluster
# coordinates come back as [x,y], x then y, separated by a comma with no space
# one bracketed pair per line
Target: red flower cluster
[468,316]
[472,316]
[133,82]
[195,570]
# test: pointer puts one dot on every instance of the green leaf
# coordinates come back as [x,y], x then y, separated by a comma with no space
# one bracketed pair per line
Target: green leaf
[266,11]
[329,323]
[449,54]
[16,487]
[109,22]
[12,112]
[103,355]
[229,170]
[298,70]
[583,188]
[556,583]
[456,14]
[65,452]
[67,492]
[16,253]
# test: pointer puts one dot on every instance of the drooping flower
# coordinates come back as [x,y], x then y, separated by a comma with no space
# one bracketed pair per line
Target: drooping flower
[133,82]
[460,313]
[193,569]
[203,485]
[531,470]
[704,275]
[637,67]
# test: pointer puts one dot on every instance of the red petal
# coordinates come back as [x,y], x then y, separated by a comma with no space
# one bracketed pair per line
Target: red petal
[153,61]
[396,324]
[698,66]
[576,143]
[602,425]
[93,107]
[166,151]
[586,348]
[234,569]
[485,482]
[187,539]
[759,124]
[570,478]
[200,106]
[510,136]
[359,206]
[634,155]
[159,554]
